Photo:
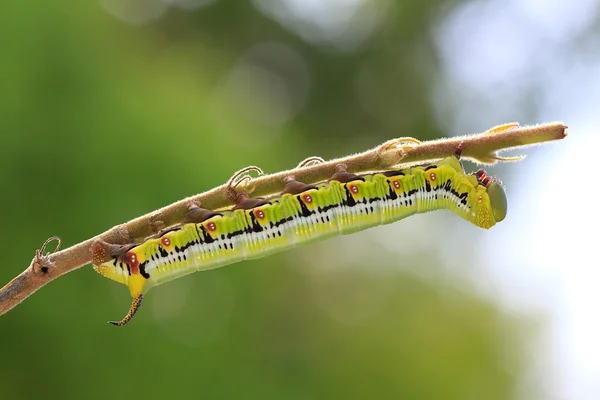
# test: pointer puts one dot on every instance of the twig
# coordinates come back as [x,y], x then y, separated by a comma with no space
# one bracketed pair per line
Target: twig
[480,148]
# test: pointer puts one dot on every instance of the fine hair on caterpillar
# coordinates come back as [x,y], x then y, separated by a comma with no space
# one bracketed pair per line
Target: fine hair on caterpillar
[299,214]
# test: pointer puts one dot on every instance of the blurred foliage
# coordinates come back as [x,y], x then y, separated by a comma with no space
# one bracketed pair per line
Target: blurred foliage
[102,121]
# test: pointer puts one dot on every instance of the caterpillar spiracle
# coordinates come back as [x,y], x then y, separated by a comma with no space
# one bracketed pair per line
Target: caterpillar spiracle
[301,213]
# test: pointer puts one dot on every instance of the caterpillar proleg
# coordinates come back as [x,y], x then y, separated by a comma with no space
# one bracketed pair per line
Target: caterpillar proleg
[301,213]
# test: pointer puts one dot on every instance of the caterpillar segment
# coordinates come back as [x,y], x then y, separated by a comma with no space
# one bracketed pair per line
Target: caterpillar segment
[301,213]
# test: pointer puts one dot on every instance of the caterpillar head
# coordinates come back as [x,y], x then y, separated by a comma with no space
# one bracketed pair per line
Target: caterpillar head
[498,200]
[490,201]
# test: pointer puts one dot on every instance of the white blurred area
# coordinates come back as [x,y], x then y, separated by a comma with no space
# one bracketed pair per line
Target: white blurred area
[269,85]
[343,24]
[543,257]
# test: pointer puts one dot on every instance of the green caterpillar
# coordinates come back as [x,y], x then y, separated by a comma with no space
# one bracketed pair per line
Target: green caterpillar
[301,213]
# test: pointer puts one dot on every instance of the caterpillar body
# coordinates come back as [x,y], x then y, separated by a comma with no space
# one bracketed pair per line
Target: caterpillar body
[300,214]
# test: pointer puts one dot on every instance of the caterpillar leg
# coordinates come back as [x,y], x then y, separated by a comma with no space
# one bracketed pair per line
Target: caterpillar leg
[135,306]
[292,186]
[343,176]
[197,214]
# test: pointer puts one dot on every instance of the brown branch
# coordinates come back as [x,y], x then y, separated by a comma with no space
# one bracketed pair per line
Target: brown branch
[479,148]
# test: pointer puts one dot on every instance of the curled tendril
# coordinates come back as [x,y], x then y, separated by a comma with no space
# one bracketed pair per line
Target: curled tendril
[402,142]
[500,128]
[244,175]
[40,253]
[240,181]
[310,161]
[42,261]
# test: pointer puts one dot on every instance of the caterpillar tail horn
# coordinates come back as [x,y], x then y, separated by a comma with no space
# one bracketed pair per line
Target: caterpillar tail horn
[135,306]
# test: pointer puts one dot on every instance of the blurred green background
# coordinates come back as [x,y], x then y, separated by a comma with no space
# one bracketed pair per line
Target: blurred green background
[111,109]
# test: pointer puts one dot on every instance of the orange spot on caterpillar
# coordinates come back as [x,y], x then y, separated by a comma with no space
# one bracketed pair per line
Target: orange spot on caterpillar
[396,184]
[307,198]
[432,176]
[211,226]
[260,214]
[133,262]
[479,199]
[353,189]
[165,241]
